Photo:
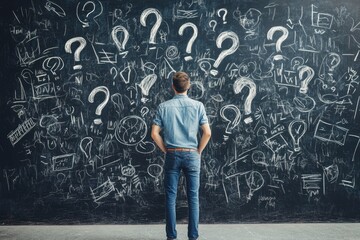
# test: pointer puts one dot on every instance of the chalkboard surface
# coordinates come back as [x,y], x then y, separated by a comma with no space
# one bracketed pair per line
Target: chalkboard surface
[81,80]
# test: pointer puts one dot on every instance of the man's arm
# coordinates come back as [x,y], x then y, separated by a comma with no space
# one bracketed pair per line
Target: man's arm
[206,134]
[155,135]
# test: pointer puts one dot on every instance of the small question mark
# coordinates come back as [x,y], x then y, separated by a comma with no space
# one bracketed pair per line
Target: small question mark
[220,39]
[82,43]
[157,24]
[224,16]
[285,34]
[232,122]
[239,84]
[333,60]
[310,74]
[85,22]
[213,24]
[101,105]
[120,45]
[192,39]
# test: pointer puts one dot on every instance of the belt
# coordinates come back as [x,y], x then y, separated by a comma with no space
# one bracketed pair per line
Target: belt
[181,149]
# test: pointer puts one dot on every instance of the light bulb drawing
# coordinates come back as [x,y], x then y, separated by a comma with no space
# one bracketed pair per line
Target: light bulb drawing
[297,129]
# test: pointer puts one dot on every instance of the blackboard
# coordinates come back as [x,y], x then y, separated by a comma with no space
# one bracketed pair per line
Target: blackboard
[81,80]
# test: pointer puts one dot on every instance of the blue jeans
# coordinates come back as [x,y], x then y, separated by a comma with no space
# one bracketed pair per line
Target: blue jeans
[189,163]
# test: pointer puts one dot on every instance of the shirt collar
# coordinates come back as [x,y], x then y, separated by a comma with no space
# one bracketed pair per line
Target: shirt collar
[181,96]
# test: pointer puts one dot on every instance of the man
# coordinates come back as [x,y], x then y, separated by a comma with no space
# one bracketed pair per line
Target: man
[180,120]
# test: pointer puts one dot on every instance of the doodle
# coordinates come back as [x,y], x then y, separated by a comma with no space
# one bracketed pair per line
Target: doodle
[54,64]
[120,44]
[254,181]
[249,21]
[51,6]
[233,121]
[63,162]
[297,129]
[147,83]
[131,130]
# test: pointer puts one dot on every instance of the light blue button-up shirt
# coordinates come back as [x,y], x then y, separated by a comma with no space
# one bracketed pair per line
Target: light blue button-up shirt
[180,119]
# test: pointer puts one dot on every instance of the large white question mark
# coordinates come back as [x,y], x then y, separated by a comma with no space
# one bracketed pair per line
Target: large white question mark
[120,45]
[82,45]
[232,122]
[239,84]
[310,74]
[285,34]
[220,39]
[157,24]
[224,16]
[101,105]
[192,39]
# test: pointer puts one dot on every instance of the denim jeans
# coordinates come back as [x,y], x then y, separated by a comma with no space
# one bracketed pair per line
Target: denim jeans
[189,163]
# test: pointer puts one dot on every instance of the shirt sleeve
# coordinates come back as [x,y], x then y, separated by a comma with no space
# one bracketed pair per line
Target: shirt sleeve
[203,118]
[157,120]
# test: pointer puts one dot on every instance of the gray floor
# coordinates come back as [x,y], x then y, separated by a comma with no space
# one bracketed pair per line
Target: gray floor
[298,231]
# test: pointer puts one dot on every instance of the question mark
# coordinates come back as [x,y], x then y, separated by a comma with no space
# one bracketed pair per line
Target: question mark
[85,21]
[157,24]
[213,24]
[120,45]
[82,43]
[239,84]
[220,39]
[101,105]
[192,39]
[333,60]
[232,123]
[310,74]
[285,34]
[225,13]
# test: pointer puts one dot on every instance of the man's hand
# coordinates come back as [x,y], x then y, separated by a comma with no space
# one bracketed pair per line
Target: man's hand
[155,135]
[206,134]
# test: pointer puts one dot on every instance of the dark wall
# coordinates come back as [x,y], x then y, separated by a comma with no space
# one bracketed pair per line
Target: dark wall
[81,80]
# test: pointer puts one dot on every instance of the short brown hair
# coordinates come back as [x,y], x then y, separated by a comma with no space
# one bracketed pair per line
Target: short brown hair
[181,82]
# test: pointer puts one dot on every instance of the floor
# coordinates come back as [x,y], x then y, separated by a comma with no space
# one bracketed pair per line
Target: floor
[298,231]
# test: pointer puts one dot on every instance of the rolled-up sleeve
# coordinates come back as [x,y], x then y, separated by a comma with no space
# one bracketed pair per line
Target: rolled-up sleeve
[203,118]
[157,120]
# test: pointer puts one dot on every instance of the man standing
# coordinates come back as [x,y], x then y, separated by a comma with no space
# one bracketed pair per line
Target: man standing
[180,119]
